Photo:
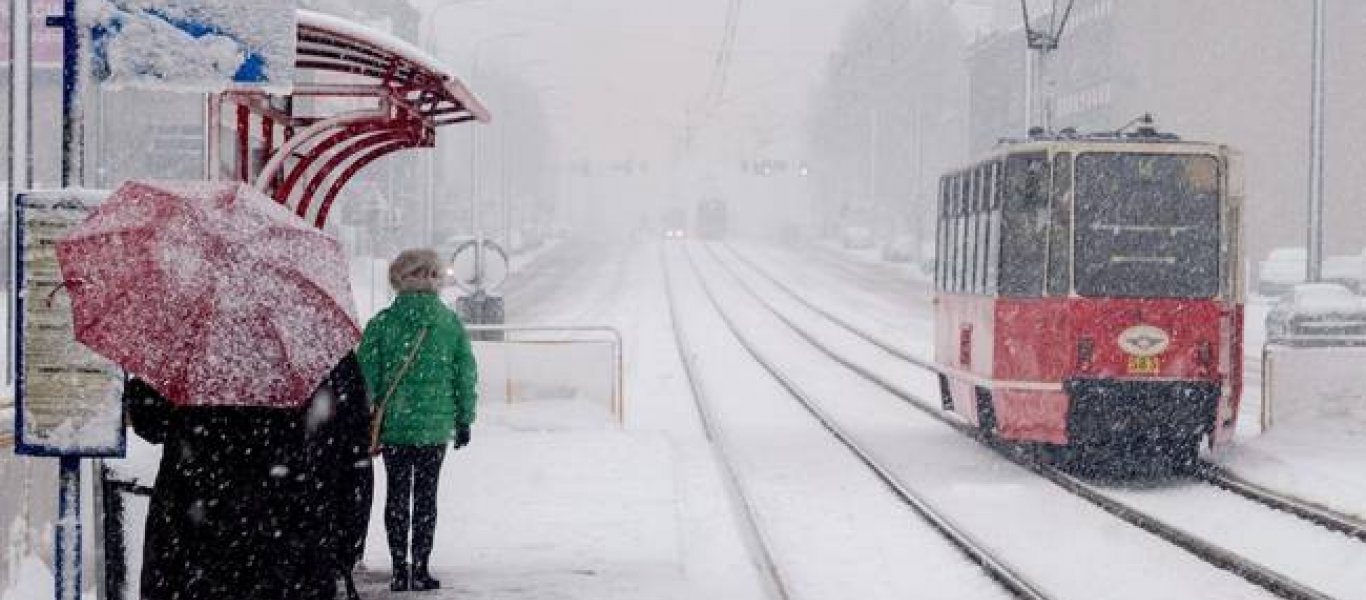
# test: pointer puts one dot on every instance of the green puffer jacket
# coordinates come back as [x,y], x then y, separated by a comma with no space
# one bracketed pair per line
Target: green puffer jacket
[438,391]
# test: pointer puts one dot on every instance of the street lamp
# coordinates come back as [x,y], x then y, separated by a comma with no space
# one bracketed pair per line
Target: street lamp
[477,56]
[1314,264]
[427,41]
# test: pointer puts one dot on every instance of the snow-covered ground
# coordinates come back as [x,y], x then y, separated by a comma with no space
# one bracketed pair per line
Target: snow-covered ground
[554,499]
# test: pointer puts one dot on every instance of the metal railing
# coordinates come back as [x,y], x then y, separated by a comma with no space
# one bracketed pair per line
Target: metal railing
[612,335]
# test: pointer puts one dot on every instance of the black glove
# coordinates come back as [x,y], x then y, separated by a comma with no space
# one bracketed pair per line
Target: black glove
[462,436]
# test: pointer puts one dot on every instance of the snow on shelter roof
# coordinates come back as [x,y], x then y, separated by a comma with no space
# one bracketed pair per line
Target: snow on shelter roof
[332,43]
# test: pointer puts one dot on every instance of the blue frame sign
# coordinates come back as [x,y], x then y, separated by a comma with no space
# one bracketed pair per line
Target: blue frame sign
[68,399]
[192,45]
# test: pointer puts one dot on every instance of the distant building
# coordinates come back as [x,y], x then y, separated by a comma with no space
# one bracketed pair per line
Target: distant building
[1231,71]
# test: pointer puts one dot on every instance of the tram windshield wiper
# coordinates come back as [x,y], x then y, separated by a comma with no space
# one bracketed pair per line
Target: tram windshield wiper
[1116,228]
[1165,260]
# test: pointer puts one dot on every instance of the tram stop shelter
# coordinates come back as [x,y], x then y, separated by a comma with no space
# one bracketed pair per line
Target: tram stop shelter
[359,96]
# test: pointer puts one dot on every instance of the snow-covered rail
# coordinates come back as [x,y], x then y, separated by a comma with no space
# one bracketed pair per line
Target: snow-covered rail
[1013,582]
[1314,513]
[1212,553]
[1208,472]
[756,539]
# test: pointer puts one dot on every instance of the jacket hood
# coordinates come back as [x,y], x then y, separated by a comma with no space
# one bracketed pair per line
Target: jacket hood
[425,308]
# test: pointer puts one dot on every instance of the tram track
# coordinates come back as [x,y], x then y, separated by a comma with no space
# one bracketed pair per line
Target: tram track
[1011,581]
[1212,553]
[756,538]
[1206,471]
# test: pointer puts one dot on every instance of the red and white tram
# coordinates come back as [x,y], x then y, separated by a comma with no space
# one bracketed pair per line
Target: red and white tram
[1089,296]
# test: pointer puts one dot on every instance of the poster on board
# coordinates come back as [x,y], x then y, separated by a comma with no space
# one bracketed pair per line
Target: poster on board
[192,45]
[68,400]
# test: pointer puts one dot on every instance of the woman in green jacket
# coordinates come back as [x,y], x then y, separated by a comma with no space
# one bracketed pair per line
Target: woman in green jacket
[432,403]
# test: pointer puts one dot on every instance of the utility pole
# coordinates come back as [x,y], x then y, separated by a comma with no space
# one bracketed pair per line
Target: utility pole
[872,158]
[1315,264]
[1038,88]
[20,149]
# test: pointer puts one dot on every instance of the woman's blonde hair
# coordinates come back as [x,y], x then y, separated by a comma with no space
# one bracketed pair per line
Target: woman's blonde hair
[415,270]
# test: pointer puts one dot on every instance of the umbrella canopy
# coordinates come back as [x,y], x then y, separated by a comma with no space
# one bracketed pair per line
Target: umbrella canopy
[211,292]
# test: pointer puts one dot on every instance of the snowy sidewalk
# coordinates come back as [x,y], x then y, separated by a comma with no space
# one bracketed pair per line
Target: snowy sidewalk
[548,513]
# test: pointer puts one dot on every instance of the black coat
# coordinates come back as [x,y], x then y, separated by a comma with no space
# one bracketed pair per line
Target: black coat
[256,503]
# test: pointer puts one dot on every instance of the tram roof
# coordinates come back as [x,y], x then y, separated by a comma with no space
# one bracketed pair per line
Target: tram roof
[1105,142]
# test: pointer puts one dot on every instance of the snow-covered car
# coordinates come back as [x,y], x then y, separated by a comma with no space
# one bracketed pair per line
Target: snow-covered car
[901,248]
[1282,270]
[1320,313]
[856,237]
[1348,270]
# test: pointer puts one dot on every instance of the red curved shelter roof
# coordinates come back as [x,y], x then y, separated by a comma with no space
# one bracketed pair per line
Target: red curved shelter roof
[328,43]
[405,94]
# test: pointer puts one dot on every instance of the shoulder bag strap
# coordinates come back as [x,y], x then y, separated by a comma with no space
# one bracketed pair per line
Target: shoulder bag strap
[377,420]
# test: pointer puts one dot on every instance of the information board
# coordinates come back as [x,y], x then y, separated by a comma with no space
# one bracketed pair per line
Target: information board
[68,400]
[192,45]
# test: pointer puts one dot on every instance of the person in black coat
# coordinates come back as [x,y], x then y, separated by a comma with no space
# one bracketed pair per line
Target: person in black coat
[248,501]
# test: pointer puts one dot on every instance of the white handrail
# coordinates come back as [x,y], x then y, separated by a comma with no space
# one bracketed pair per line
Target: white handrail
[617,340]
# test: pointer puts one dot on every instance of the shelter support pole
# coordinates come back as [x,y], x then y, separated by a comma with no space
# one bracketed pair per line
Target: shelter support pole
[67,550]
[213,137]
[67,571]
[20,168]
[73,111]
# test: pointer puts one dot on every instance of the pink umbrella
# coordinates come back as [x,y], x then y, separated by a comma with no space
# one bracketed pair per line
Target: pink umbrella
[211,292]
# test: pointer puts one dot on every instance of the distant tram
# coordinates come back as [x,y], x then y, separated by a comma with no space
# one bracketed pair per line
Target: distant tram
[1088,295]
[711,220]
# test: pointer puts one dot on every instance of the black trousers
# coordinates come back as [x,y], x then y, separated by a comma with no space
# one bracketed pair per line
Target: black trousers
[412,474]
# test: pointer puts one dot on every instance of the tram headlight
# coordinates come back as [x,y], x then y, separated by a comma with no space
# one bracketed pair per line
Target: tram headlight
[1086,353]
[1204,357]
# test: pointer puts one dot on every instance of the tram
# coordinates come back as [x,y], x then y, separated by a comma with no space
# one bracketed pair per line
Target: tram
[711,220]
[1088,295]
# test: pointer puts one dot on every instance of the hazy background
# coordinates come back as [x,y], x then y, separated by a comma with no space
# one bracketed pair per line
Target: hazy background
[803,115]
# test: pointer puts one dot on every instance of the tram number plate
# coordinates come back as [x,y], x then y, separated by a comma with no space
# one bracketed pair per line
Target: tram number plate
[1144,365]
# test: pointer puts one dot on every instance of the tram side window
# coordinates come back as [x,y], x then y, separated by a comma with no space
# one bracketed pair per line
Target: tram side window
[965,240]
[1060,239]
[974,230]
[950,250]
[1024,227]
[983,225]
[951,223]
[991,257]
[962,266]
[940,231]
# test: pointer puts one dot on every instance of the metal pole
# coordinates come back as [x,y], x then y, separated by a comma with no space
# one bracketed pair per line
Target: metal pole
[20,167]
[429,191]
[1028,90]
[504,183]
[73,113]
[427,41]
[474,183]
[872,158]
[1045,87]
[213,143]
[67,571]
[1315,264]
[67,574]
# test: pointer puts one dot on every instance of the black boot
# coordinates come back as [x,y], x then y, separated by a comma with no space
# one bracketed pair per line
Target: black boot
[399,581]
[422,579]
[351,593]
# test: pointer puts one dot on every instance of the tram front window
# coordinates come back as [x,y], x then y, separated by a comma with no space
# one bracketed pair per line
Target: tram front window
[1147,225]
